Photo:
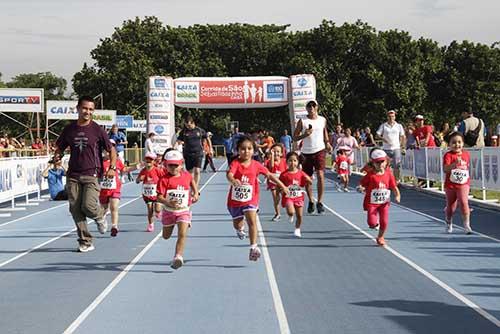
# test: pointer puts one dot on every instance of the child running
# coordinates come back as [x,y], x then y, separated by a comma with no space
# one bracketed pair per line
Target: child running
[342,165]
[243,197]
[295,179]
[276,165]
[149,176]
[110,194]
[377,184]
[176,191]
[456,164]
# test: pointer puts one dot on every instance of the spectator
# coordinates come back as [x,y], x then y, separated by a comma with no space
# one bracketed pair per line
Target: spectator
[148,144]
[54,173]
[268,141]
[369,140]
[444,134]
[423,133]
[286,140]
[120,140]
[357,136]
[348,141]
[227,145]
[393,136]
[411,140]
[234,141]
[209,152]
[336,134]
[494,141]
[473,130]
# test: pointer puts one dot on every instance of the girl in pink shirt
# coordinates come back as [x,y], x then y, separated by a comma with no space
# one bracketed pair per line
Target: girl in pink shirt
[243,197]
[456,163]
[176,191]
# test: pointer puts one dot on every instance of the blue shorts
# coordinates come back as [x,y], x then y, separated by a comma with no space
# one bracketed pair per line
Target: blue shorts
[238,212]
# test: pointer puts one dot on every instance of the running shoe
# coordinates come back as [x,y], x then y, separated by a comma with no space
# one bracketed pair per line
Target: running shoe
[320,208]
[241,234]
[276,218]
[310,208]
[449,226]
[177,262]
[85,248]
[380,241]
[102,225]
[467,229]
[114,231]
[376,227]
[254,254]
[297,233]
[290,219]
[150,228]
[346,190]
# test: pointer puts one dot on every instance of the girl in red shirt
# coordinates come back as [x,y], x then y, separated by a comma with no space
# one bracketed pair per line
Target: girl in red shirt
[276,165]
[177,190]
[295,179]
[377,184]
[149,176]
[342,165]
[456,164]
[243,197]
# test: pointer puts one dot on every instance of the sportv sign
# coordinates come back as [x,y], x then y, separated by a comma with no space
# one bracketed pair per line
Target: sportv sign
[21,100]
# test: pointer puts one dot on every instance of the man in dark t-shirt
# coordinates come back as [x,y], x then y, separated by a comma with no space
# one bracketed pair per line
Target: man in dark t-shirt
[192,138]
[86,141]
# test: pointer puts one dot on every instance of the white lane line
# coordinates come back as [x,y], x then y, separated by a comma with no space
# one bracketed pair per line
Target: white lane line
[81,318]
[427,274]
[278,304]
[51,240]
[39,212]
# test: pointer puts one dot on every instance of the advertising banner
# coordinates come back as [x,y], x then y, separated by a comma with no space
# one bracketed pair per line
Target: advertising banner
[420,163]
[230,93]
[160,116]
[138,125]
[475,173]
[408,164]
[491,160]
[61,109]
[21,100]
[6,186]
[302,89]
[124,121]
[104,117]
[434,164]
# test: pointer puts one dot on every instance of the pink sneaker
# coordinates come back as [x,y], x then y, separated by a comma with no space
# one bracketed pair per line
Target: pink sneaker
[150,228]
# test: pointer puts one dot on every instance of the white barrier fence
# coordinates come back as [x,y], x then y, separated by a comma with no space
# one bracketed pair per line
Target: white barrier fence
[427,164]
[22,176]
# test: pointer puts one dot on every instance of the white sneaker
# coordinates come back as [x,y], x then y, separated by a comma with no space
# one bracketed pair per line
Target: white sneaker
[276,218]
[467,229]
[254,254]
[297,233]
[290,219]
[102,225]
[86,248]
[177,262]
[346,190]
[449,226]
[241,234]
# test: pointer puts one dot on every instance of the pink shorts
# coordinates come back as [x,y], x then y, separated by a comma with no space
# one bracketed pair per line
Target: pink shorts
[170,218]
[104,199]
[296,202]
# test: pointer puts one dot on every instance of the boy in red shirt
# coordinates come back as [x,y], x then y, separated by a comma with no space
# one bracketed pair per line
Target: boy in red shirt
[377,184]
[456,163]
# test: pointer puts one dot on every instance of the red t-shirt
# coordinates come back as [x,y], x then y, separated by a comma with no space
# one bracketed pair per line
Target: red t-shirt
[277,169]
[421,134]
[295,182]
[176,187]
[459,176]
[248,192]
[151,178]
[342,163]
[377,188]
[109,187]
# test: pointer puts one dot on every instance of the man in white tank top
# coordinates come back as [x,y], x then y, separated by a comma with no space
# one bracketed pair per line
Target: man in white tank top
[314,135]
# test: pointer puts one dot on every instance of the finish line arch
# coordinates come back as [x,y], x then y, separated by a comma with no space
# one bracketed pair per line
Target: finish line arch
[164,93]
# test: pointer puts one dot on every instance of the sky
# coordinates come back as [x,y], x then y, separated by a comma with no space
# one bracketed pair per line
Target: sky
[58,35]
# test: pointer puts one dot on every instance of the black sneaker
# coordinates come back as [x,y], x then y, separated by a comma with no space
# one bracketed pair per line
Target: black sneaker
[320,208]
[310,208]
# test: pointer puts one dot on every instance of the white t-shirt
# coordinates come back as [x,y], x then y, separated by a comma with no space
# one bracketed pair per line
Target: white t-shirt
[316,141]
[392,135]
[148,144]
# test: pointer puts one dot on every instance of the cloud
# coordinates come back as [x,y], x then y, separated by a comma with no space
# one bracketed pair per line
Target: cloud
[53,36]
[433,8]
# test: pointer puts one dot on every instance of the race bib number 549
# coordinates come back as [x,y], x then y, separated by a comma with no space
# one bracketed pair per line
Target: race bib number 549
[242,193]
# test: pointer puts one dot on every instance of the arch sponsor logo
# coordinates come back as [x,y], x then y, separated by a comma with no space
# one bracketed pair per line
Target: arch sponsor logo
[20,99]
[187,91]
[159,129]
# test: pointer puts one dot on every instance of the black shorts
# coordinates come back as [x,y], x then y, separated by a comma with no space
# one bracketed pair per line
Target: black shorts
[193,160]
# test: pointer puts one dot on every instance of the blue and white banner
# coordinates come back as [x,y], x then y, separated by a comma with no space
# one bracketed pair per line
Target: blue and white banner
[124,121]
[21,100]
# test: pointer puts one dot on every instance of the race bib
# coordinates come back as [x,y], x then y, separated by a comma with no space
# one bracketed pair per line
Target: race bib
[380,196]
[242,193]
[149,190]
[459,176]
[108,183]
[344,165]
[294,191]
[179,196]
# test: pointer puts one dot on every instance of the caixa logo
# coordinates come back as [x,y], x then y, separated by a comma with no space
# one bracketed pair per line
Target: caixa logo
[159,94]
[158,117]
[160,83]
[159,129]
[302,81]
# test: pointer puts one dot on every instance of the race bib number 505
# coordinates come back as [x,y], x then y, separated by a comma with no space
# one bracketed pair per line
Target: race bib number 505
[380,196]
[242,193]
